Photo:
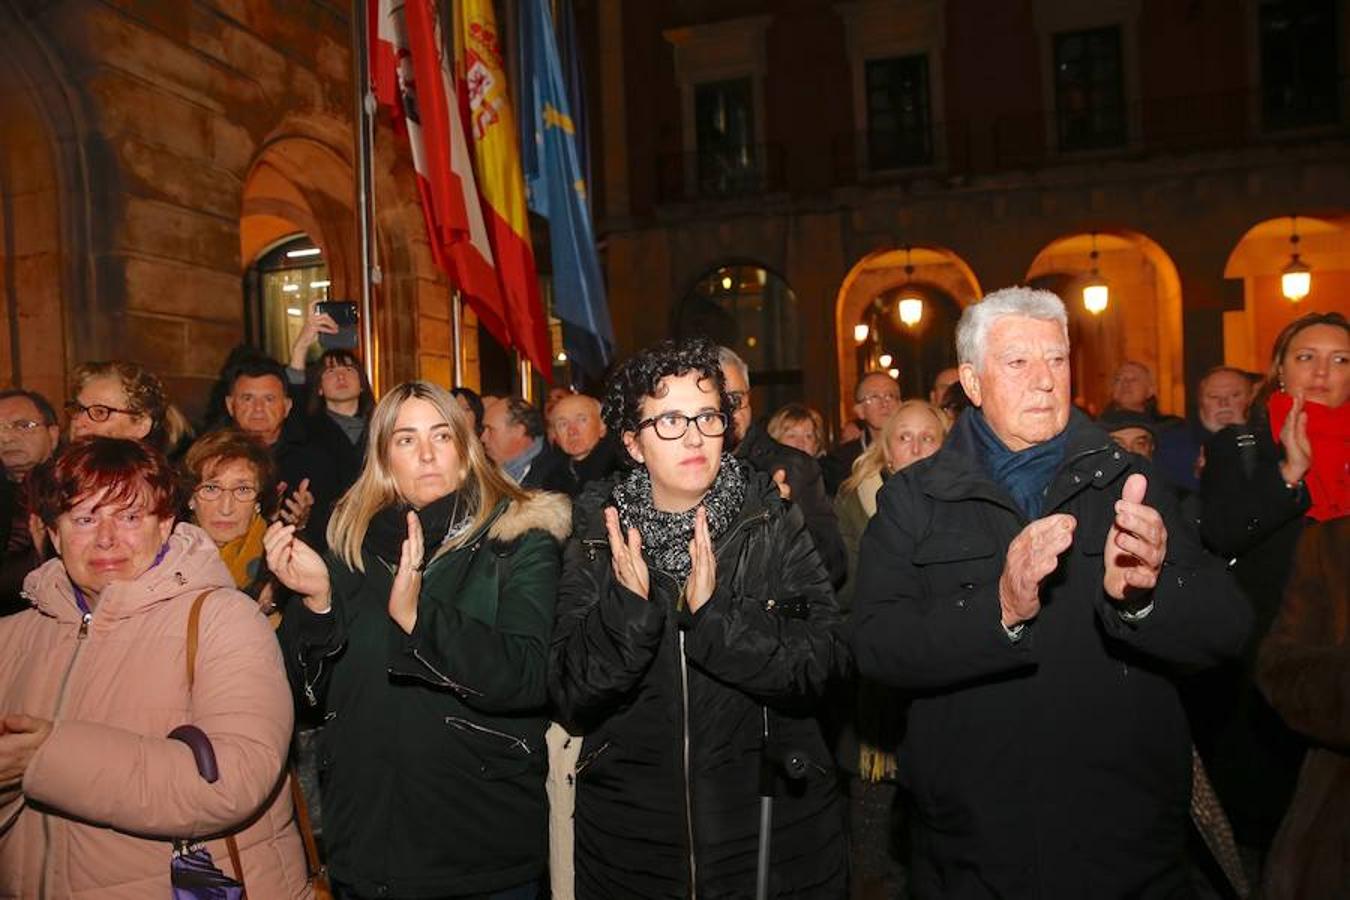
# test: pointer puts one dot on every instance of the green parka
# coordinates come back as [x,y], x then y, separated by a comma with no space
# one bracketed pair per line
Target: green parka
[432,758]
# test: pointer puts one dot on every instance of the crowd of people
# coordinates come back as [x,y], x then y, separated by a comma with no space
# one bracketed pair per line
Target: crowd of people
[975,643]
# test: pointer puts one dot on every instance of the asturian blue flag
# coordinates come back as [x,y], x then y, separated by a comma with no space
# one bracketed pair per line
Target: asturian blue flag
[556,186]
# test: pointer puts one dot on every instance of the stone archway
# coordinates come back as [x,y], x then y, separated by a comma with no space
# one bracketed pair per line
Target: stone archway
[941,272]
[1142,321]
[1258,259]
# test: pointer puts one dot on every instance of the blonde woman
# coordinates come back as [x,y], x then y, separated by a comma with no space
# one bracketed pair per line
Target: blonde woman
[866,747]
[423,638]
[124,400]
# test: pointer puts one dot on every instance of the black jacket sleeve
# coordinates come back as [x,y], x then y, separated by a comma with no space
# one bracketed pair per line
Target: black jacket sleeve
[902,634]
[808,492]
[1244,499]
[786,648]
[604,638]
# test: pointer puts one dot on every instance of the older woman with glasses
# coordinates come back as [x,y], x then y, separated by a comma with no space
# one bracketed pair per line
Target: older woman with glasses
[234,495]
[124,400]
[423,638]
[93,681]
[696,635]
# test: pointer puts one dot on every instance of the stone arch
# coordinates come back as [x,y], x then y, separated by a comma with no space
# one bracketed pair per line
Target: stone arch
[1142,322]
[939,271]
[45,259]
[1258,259]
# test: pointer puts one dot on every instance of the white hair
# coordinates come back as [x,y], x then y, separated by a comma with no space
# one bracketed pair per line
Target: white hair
[726,357]
[972,331]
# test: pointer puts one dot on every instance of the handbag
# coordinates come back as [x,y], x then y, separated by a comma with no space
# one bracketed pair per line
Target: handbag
[193,875]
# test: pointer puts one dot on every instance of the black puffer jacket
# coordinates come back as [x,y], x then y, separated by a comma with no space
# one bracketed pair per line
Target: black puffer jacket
[1059,765]
[674,708]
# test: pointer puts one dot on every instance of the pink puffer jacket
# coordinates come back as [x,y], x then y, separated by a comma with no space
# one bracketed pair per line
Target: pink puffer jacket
[107,791]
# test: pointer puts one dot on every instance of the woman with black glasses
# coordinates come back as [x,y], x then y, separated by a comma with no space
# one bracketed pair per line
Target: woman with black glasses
[125,400]
[696,634]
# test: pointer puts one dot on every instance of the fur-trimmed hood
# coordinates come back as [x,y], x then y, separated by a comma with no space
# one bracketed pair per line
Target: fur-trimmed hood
[541,510]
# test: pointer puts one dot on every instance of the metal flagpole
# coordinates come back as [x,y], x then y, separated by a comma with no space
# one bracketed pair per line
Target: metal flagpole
[457,335]
[365,193]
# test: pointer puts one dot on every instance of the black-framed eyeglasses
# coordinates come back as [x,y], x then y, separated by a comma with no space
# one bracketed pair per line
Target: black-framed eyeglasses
[672,426]
[737,398]
[211,492]
[97,412]
[21,426]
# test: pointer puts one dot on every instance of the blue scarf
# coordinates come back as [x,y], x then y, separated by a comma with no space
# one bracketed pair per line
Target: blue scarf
[519,467]
[1026,474]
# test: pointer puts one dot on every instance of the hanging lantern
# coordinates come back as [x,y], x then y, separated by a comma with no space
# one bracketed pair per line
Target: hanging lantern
[885,360]
[1096,293]
[861,333]
[910,307]
[1295,278]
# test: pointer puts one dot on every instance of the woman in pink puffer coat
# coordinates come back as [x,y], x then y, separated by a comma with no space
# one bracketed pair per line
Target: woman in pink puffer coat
[93,678]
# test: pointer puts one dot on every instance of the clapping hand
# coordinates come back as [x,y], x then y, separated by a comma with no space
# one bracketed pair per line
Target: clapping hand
[703,569]
[20,738]
[296,508]
[407,585]
[296,565]
[626,556]
[1297,447]
[1031,556]
[1136,545]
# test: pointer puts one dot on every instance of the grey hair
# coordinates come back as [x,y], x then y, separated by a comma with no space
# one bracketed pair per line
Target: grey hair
[972,331]
[728,357]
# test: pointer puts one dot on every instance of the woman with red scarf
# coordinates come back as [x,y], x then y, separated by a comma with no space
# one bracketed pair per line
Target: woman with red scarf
[1263,482]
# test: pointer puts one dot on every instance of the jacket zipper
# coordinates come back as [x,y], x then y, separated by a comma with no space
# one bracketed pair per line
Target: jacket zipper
[462,723]
[80,637]
[441,679]
[318,673]
[688,777]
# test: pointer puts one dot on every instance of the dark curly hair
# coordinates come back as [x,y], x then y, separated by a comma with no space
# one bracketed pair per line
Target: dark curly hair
[640,376]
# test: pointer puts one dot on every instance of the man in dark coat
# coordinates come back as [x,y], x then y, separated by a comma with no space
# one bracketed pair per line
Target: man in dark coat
[576,427]
[1034,590]
[798,476]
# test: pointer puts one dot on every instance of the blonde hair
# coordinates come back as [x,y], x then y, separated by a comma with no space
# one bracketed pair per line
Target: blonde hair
[483,488]
[145,397]
[873,459]
[793,414]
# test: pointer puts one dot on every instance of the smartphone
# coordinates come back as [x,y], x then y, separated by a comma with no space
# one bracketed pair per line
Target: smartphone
[343,312]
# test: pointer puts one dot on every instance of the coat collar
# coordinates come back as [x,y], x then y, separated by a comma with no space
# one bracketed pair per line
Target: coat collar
[956,473]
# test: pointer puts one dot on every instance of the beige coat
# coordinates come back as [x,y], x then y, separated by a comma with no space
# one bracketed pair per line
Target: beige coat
[107,791]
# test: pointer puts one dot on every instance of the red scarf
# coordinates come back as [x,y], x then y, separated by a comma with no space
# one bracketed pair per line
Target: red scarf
[1328,479]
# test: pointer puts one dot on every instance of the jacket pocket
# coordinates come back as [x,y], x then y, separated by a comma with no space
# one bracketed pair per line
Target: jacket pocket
[494,753]
[956,563]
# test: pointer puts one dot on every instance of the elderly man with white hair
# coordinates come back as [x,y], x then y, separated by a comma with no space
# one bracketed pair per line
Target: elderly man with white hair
[1033,590]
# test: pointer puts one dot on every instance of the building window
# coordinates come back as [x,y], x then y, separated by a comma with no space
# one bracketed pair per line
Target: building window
[899,126]
[724,123]
[754,312]
[281,286]
[1299,83]
[1089,90]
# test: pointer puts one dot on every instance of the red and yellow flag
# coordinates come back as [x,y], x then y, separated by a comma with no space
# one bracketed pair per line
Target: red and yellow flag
[478,58]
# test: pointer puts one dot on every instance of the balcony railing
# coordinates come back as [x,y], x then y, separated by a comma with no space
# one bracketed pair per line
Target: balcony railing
[718,175]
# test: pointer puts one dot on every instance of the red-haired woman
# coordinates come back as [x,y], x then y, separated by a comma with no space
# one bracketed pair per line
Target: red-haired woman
[93,679]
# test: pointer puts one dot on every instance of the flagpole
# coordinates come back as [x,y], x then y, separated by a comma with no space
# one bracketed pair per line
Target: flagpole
[365,193]
[457,335]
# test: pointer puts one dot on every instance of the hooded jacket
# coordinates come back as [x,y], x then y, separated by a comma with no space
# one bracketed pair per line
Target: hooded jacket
[1057,765]
[674,709]
[432,757]
[107,791]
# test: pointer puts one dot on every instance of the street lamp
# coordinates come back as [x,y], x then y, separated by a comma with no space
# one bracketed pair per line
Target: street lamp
[1295,278]
[910,308]
[1096,293]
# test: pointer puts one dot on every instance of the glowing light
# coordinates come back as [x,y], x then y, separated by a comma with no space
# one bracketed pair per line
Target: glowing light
[300,254]
[885,360]
[290,288]
[861,333]
[1096,296]
[894,373]
[1296,281]
[562,356]
[726,282]
[319,284]
[294,311]
[911,311]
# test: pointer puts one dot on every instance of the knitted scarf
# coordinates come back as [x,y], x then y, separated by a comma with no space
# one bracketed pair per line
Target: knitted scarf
[243,556]
[666,535]
[1025,474]
[1328,480]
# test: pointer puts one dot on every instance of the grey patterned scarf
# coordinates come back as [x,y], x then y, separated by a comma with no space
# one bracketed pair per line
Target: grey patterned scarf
[666,535]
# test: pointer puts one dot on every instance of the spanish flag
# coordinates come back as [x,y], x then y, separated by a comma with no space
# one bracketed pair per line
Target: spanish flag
[478,56]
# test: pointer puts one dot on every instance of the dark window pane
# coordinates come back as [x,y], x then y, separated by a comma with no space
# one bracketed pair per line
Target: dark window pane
[899,127]
[724,123]
[1089,89]
[1298,63]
